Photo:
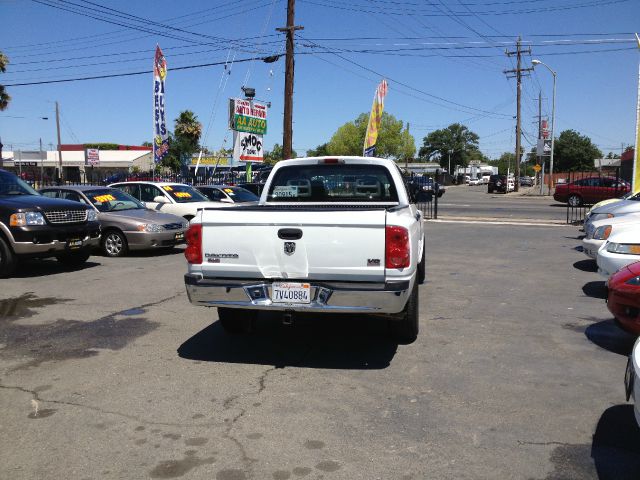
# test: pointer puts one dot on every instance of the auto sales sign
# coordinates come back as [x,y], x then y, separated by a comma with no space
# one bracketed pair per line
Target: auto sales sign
[247,116]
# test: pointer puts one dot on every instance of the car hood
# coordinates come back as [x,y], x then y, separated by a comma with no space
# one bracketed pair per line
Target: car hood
[39,202]
[623,220]
[207,204]
[628,235]
[141,214]
[619,208]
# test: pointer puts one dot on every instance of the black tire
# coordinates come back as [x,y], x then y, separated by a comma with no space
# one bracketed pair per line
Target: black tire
[236,321]
[422,267]
[8,260]
[489,190]
[74,259]
[114,243]
[574,200]
[406,328]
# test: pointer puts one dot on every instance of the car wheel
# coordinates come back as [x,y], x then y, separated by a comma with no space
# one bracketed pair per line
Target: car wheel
[489,190]
[405,329]
[74,259]
[422,267]
[574,200]
[236,321]
[114,244]
[8,259]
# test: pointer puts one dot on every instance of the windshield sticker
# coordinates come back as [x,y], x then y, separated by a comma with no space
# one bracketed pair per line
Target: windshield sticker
[285,191]
[167,188]
[182,194]
[229,191]
[104,198]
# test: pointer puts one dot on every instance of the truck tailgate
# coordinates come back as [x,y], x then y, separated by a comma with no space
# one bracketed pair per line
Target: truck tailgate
[313,244]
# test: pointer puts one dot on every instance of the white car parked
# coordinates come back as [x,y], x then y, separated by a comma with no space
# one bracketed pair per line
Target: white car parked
[598,232]
[176,198]
[620,250]
[631,381]
[475,181]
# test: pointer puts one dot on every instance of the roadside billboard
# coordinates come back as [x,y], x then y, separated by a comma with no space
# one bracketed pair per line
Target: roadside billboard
[247,147]
[247,116]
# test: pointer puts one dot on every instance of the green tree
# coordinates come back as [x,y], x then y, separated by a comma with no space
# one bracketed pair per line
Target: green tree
[147,144]
[394,141]
[275,155]
[4,96]
[506,162]
[574,152]
[456,141]
[319,151]
[184,141]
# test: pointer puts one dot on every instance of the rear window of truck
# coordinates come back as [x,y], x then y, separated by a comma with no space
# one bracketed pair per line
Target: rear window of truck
[332,183]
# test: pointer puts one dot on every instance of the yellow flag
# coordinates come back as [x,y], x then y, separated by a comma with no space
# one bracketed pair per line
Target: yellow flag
[375,119]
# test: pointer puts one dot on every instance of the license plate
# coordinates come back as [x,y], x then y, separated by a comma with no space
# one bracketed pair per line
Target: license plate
[179,236]
[74,243]
[291,293]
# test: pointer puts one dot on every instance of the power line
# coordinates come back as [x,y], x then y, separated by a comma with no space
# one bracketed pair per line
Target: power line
[130,74]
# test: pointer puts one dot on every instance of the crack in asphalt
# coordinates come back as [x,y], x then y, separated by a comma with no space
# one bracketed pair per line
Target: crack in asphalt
[563,444]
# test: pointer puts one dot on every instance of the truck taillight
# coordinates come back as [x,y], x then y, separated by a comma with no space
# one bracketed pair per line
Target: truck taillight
[193,252]
[397,250]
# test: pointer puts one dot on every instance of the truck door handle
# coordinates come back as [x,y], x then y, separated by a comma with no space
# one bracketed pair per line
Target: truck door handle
[290,234]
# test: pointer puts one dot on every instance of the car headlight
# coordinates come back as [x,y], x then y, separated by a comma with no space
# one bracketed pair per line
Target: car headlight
[28,218]
[635,281]
[150,227]
[92,216]
[602,232]
[624,248]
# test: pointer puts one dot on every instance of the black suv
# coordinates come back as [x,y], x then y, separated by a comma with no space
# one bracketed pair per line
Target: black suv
[35,226]
[497,183]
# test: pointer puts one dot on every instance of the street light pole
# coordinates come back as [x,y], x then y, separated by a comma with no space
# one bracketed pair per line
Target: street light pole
[553,120]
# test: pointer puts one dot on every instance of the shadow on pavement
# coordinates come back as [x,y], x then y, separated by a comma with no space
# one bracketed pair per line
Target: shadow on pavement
[588,265]
[595,290]
[616,444]
[41,267]
[606,334]
[312,342]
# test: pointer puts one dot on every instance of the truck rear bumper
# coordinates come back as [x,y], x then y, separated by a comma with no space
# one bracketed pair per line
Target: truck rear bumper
[334,297]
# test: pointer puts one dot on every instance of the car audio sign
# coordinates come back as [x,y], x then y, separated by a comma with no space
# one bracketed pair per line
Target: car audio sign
[247,147]
[247,116]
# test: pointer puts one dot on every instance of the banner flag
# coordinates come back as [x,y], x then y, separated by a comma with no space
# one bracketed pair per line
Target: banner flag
[375,119]
[160,131]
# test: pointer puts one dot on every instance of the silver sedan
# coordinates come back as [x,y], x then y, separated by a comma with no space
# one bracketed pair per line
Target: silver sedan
[126,223]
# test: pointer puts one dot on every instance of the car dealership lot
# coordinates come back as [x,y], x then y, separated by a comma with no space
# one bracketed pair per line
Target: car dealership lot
[517,372]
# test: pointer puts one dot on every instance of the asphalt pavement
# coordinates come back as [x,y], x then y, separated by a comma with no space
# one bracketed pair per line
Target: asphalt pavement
[108,372]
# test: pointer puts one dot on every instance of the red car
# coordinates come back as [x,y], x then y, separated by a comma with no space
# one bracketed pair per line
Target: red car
[624,297]
[590,190]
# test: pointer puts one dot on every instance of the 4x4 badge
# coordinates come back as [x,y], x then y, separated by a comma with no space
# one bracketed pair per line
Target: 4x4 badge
[289,247]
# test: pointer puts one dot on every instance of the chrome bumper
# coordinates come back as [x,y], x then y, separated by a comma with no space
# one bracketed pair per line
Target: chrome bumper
[334,297]
[30,248]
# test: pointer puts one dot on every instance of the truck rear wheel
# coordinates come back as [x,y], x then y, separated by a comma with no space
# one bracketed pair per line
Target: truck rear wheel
[405,329]
[422,267]
[236,321]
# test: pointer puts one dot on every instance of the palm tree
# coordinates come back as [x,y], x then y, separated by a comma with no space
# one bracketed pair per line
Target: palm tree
[188,128]
[4,96]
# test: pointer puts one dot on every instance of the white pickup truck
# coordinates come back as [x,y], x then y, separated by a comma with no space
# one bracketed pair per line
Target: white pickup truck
[329,235]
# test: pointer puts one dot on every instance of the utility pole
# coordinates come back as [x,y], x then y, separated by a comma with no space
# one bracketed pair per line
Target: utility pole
[518,75]
[41,165]
[287,133]
[60,175]
[406,159]
[1,161]
[540,158]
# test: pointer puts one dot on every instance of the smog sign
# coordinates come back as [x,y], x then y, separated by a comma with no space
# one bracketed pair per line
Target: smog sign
[92,157]
[247,116]
[247,147]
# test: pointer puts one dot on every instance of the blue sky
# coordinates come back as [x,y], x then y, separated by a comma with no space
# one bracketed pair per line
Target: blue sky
[443,60]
